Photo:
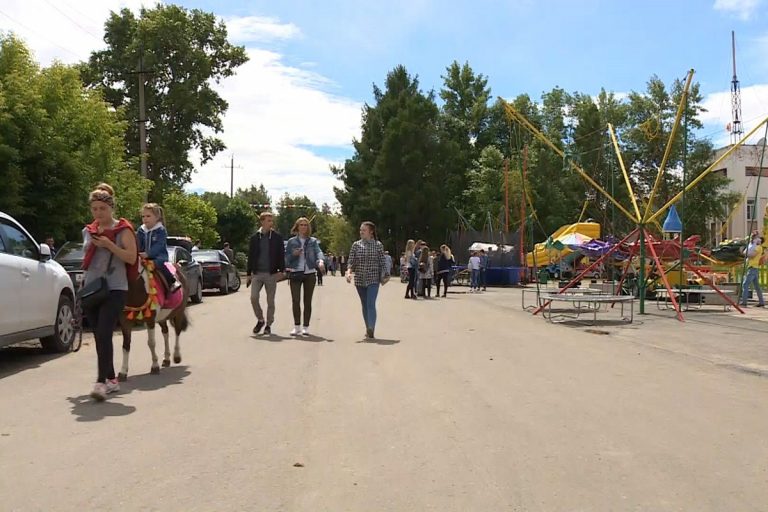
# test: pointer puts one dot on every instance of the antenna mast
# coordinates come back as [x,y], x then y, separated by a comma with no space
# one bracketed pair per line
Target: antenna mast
[736,129]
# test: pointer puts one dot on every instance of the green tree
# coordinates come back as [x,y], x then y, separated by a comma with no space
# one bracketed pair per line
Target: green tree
[255,196]
[340,235]
[464,122]
[218,200]
[485,194]
[189,215]
[57,142]
[397,174]
[235,223]
[185,52]
[290,208]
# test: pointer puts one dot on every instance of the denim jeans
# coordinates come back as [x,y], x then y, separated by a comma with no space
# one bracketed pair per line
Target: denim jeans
[751,277]
[368,296]
[475,279]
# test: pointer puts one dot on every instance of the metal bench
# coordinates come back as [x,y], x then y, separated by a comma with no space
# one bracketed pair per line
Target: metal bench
[684,297]
[593,303]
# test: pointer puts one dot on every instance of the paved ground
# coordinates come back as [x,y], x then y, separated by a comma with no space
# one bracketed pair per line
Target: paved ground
[464,404]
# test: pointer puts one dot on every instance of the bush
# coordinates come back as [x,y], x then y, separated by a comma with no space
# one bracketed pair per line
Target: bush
[241,261]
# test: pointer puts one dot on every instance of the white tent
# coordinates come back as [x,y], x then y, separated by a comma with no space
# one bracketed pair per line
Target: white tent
[477,246]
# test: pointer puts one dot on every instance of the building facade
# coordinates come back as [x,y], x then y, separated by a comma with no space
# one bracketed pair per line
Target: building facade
[742,167]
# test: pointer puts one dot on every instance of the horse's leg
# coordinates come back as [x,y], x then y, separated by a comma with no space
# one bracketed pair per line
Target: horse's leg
[151,342]
[177,346]
[167,358]
[125,328]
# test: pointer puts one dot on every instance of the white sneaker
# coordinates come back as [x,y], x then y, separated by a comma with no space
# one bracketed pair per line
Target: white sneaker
[99,392]
[305,330]
[112,386]
[296,331]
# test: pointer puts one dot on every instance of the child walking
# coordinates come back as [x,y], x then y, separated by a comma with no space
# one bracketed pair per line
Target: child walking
[153,242]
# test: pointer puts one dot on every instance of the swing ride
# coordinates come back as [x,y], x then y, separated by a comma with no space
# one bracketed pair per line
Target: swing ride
[653,252]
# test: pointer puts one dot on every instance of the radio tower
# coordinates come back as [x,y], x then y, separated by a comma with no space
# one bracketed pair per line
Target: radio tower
[736,129]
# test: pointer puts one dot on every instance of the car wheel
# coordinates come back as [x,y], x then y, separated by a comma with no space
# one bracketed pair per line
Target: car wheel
[236,285]
[224,289]
[64,328]
[197,297]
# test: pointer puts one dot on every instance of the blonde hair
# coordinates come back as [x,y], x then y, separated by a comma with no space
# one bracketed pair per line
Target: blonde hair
[409,247]
[264,215]
[103,193]
[156,209]
[447,251]
[295,228]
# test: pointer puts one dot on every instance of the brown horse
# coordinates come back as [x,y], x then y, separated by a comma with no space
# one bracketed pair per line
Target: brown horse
[137,298]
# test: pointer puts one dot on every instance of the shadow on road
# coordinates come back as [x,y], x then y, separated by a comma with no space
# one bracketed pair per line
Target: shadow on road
[379,341]
[23,357]
[274,338]
[148,382]
[86,409]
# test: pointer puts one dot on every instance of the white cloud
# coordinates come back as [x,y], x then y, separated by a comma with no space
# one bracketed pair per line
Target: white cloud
[277,113]
[279,116]
[741,8]
[754,108]
[64,30]
[248,29]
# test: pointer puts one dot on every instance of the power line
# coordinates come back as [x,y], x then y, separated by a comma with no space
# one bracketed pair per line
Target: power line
[75,22]
[72,8]
[39,35]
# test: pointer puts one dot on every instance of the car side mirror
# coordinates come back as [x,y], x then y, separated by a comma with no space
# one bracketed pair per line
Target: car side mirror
[45,252]
[183,263]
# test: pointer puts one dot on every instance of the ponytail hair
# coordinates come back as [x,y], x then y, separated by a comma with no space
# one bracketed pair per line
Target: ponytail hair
[372,227]
[156,209]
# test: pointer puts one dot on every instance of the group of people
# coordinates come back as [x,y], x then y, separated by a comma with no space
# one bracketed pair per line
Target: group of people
[421,267]
[301,260]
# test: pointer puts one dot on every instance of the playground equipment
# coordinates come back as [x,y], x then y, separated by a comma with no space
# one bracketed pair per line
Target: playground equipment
[640,239]
[558,245]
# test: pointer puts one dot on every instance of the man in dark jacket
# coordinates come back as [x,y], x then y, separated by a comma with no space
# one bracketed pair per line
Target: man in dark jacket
[266,262]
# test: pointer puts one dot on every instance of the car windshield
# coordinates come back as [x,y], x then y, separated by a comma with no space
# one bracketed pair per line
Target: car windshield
[70,251]
[207,256]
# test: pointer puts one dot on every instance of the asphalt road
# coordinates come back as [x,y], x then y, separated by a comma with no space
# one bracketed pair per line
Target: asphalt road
[463,404]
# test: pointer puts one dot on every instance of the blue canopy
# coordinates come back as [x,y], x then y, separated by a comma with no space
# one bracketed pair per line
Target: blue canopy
[673,224]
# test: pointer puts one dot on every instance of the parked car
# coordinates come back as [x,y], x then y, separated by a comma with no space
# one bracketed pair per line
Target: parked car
[36,294]
[218,272]
[70,256]
[191,268]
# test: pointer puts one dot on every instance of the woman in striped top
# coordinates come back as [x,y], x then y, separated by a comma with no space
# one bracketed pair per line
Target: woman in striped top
[368,266]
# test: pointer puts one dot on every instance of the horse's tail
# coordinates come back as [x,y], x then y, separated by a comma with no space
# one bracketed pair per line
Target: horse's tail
[183,320]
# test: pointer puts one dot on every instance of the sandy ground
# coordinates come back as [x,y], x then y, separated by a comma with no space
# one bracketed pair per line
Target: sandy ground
[462,404]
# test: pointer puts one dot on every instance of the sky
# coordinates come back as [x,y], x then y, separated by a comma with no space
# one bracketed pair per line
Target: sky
[295,107]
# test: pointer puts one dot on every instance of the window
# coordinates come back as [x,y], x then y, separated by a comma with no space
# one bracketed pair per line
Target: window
[183,255]
[19,244]
[2,245]
[751,170]
[750,210]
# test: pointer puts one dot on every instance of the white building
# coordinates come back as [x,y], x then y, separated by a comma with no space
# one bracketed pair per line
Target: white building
[741,167]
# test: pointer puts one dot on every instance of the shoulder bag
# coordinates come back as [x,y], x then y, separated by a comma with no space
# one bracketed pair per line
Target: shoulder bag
[92,295]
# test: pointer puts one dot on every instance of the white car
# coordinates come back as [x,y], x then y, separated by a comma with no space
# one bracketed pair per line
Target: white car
[36,294]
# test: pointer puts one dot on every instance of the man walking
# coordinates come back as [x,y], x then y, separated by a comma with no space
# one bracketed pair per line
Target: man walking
[230,254]
[388,262]
[753,253]
[266,259]
[483,270]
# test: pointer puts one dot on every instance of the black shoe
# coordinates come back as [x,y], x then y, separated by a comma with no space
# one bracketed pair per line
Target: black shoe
[267,331]
[369,334]
[259,326]
[761,305]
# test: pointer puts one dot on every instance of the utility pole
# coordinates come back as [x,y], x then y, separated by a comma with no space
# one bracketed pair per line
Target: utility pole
[506,196]
[142,116]
[232,175]
[523,262]
[737,130]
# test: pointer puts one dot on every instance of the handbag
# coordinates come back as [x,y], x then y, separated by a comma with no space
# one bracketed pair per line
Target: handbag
[92,295]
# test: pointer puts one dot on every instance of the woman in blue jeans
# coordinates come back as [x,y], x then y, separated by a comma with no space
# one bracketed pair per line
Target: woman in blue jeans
[368,266]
